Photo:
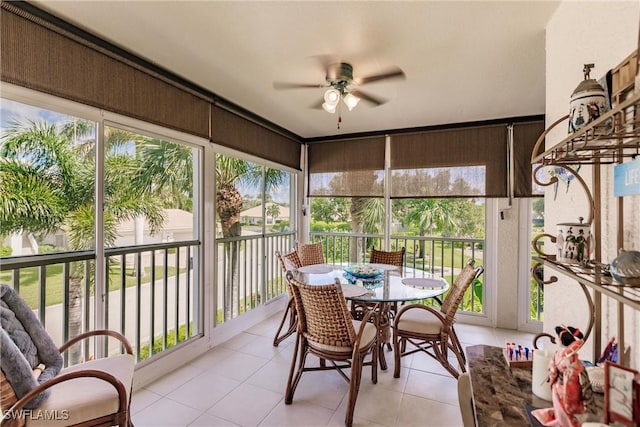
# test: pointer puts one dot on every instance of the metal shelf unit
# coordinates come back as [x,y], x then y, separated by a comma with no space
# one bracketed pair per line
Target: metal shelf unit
[607,140]
[593,278]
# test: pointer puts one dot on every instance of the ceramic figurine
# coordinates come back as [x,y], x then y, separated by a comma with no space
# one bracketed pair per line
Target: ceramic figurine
[570,387]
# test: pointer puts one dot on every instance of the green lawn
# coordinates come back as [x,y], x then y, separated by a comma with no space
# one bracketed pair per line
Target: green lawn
[439,256]
[29,283]
[443,257]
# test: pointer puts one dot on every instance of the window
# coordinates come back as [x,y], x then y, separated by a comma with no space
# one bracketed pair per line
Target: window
[152,224]
[47,170]
[148,223]
[441,236]
[253,218]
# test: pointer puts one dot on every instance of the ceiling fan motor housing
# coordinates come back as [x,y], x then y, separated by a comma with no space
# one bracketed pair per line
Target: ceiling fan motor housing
[340,75]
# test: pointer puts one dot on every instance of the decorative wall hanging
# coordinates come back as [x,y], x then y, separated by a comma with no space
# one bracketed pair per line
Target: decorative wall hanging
[563,176]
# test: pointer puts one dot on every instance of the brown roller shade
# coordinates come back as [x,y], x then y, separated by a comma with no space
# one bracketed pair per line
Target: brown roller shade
[40,56]
[481,146]
[347,155]
[241,134]
[347,168]
[525,136]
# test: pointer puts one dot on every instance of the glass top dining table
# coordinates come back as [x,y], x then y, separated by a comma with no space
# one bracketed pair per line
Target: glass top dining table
[391,285]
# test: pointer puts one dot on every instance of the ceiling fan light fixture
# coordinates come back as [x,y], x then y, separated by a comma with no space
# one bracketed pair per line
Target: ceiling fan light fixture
[329,108]
[351,101]
[332,97]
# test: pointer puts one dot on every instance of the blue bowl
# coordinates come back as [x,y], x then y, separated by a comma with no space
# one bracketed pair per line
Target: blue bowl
[364,272]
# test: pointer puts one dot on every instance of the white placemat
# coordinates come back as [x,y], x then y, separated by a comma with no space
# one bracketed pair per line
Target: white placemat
[353,290]
[316,269]
[422,282]
[384,266]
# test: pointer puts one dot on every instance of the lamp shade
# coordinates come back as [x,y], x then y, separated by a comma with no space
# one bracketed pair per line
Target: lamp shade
[351,101]
[332,97]
[329,108]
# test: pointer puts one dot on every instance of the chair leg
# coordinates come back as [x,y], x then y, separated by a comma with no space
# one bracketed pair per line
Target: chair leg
[374,363]
[459,355]
[354,386]
[297,366]
[441,352]
[291,313]
[456,343]
[396,356]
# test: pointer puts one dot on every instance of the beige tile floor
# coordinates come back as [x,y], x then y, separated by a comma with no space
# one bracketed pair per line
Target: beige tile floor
[242,383]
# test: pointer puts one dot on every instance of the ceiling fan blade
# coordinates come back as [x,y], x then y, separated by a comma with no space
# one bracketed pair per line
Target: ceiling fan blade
[285,85]
[394,73]
[317,105]
[369,98]
[324,60]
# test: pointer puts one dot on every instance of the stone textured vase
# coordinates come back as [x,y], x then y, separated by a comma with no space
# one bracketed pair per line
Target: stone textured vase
[588,102]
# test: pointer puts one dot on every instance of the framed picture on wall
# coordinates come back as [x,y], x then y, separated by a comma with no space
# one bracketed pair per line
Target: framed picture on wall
[620,394]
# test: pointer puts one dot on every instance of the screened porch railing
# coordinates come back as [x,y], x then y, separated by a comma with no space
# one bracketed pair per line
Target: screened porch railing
[153,297]
[59,286]
[248,273]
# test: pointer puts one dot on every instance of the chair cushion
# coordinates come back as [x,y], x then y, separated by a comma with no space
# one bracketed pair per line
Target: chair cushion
[24,344]
[419,321]
[86,398]
[368,334]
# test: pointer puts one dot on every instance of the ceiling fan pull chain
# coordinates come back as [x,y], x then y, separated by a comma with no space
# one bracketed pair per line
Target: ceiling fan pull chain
[339,121]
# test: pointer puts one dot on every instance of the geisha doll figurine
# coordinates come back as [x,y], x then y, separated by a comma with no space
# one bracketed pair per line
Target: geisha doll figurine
[570,386]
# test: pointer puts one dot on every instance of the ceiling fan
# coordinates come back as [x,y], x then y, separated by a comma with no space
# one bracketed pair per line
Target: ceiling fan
[341,84]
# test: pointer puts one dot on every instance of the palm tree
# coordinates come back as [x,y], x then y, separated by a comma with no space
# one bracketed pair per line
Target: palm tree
[273,210]
[231,172]
[167,170]
[429,214]
[48,181]
[367,216]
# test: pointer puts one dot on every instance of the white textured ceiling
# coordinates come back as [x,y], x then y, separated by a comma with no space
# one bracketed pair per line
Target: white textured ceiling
[464,61]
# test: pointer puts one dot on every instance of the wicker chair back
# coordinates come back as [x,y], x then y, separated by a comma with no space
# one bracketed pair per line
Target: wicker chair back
[288,261]
[310,253]
[326,320]
[383,257]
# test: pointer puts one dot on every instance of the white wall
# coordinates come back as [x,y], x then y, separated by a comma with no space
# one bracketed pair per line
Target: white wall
[507,286]
[603,33]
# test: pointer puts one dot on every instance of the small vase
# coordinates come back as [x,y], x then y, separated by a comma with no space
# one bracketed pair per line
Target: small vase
[574,242]
[625,268]
[588,102]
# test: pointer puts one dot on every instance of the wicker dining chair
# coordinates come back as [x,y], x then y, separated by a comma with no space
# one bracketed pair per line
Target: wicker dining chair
[288,262]
[430,330]
[395,258]
[384,257]
[391,258]
[326,330]
[310,253]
